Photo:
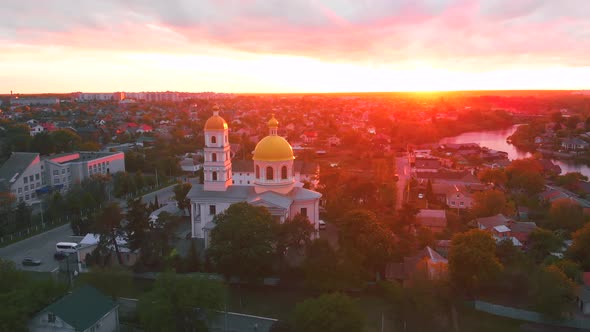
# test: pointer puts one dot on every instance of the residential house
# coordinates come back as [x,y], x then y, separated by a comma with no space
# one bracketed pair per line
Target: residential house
[522,230]
[458,197]
[574,144]
[36,129]
[500,227]
[426,261]
[427,165]
[309,137]
[435,220]
[85,310]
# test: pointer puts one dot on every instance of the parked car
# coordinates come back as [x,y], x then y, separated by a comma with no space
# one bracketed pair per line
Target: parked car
[322,224]
[28,261]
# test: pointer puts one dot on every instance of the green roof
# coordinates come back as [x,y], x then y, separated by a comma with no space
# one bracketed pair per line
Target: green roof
[17,163]
[82,308]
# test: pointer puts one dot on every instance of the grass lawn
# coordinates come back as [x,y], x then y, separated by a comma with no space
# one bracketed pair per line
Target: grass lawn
[279,304]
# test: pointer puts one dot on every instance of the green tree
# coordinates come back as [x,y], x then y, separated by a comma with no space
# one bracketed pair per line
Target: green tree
[488,203]
[293,234]
[326,270]
[108,225]
[542,242]
[43,143]
[526,175]
[580,249]
[328,313]
[571,269]
[115,282]
[180,195]
[180,303]
[552,292]
[23,296]
[363,234]
[137,223]
[242,242]
[472,260]
[495,176]
[566,213]
[65,140]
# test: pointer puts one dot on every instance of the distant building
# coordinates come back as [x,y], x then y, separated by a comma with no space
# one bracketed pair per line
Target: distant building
[427,261]
[574,144]
[21,176]
[31,101]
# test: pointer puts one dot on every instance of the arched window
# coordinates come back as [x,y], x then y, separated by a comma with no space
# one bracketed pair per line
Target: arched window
[284,173]
[269,173]
[214,176]
[213,139]
[214,156]
[257,172]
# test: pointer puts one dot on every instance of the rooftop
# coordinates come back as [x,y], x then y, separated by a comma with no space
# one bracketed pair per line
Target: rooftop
[17,164]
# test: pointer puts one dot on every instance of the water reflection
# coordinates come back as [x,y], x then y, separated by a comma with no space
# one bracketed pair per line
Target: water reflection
[496,140]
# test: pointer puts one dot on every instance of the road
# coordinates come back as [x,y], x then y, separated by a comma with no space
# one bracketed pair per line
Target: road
[165,195]
[403,170]
[41,246]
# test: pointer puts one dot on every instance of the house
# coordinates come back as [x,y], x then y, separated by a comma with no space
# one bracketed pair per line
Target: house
[488,223]
[333,141]
[427,165]
[459,197]
[85,309]
[426,260]
[144,129]
[500,227]
[435,220]
[574,144]
[36,129]
[522,230]
[309,137]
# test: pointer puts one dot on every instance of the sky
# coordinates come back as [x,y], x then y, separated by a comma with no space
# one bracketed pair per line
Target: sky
[293,45]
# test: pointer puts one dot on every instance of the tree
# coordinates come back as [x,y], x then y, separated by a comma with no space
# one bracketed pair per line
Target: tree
[325,270]
[65,140]
[23,296]
[180,192]
[494,176]
[571,269]
[488,203]
[137,223]
[472,260]
[242,242]
[108,226]
[566,213]
[293,233]
[328,313]
[43,143]
[179,303]
[552,292]
[363,234]
[116,281]
[526,175]
[541,243]
[580,249]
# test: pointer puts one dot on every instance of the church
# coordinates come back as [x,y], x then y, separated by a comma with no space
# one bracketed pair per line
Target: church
[274,182]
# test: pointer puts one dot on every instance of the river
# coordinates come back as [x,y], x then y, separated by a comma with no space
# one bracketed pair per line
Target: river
[496,140]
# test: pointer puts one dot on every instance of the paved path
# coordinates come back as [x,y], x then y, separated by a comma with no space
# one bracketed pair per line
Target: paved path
[41,246]
[403,170]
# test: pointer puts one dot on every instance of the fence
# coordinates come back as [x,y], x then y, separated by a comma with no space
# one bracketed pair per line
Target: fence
[529,316]
[7,239]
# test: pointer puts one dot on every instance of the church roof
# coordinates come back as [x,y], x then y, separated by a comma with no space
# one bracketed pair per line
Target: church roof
[235,194]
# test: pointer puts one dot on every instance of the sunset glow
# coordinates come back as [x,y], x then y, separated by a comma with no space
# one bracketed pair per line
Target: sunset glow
[302,46]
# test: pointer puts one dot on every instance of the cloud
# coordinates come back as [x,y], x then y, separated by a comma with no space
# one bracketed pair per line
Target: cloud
[465,34]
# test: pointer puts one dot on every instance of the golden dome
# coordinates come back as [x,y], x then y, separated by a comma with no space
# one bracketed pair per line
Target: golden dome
[273,148]
[273,122]
[215,122]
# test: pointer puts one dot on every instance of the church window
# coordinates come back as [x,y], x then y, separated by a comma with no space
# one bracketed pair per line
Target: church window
[213,139]
[257,172]
[212,209]
[214,157]
[284,172]
[269,173]
[214,176]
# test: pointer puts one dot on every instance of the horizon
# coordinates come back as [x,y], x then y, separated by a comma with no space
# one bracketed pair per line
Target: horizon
[295,47]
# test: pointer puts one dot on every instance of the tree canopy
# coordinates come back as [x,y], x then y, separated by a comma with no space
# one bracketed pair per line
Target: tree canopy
[242,242]
[472,260]
[328,313]
[580,249]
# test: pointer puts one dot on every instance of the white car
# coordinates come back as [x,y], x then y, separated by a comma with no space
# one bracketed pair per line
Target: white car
[322,224]
[420,195]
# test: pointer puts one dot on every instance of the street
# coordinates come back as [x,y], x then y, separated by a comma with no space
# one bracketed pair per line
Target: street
[41,246]
[403,171]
